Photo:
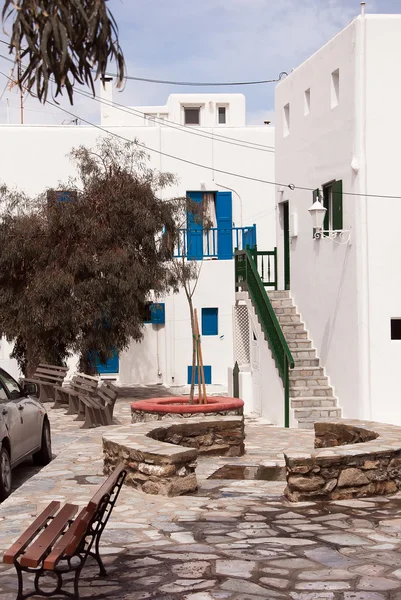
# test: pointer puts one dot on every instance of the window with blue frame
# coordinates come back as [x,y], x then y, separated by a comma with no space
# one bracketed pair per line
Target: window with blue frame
[210,321]
[207,369]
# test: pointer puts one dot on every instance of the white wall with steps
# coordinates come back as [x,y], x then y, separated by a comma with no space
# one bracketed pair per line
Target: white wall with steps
[311,395]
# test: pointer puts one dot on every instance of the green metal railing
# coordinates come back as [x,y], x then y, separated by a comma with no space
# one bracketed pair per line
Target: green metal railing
[266,264]
[248,278]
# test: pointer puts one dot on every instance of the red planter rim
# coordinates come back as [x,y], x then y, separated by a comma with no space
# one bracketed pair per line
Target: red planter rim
[178,404]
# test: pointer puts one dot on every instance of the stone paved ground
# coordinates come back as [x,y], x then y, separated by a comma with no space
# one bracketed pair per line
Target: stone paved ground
[235,540]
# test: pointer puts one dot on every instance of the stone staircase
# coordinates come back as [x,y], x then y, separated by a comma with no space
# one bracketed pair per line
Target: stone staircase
[311,395]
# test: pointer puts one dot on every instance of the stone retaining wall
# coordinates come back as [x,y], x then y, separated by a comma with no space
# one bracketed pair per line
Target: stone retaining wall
[155,462]
[361,469]
[141,416]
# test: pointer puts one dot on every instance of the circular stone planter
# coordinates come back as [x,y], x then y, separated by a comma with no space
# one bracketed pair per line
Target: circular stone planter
[157,409]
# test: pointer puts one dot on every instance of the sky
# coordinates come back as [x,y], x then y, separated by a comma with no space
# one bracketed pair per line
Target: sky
[210,40]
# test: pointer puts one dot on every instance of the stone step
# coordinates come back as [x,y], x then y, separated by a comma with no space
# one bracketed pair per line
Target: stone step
[306,372]
[299,344]
[306,354]
[298,335]
[282,303]
[285,319]
[305,363]
[278,294]
[314,414]
[313,401]
[293,328]
[308,382]
[322,391]
[286,310]
[306,424]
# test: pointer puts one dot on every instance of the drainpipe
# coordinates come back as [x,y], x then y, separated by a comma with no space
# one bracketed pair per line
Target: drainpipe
[363,250]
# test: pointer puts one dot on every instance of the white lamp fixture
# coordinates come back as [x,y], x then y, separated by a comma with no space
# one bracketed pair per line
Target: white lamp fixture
[318,212]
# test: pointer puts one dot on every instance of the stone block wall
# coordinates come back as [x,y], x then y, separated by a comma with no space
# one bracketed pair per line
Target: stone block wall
[328,435]
[156,464]
[212,437]
[142,416]
[368,467]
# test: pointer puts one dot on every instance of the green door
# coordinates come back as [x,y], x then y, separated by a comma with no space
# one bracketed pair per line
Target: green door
[286,227]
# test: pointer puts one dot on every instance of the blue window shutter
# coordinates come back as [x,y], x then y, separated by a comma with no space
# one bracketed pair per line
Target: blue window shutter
[112,365]
[207,371]
[224,216]
[194,231]
[157,313]
[210,321]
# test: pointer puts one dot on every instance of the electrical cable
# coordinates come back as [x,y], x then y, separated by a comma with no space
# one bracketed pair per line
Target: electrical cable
[291,186]
[190,83]
[168,123]
[182,128]
[200,83]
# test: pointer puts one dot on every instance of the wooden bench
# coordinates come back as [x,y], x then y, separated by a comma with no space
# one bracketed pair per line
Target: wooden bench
[98,410]
[58,543]
[68,394]
[46,377]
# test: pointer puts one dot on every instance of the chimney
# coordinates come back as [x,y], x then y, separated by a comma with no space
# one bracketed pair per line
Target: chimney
[106,97]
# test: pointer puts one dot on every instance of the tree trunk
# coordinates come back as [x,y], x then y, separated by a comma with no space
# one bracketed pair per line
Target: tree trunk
[85,365]
[192,388]
[32,359]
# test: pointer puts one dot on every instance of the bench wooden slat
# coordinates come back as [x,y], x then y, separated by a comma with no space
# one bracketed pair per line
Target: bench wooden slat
[71,539]
[49,373]
[53,367]
[19,546]
[46,539]
[107,486]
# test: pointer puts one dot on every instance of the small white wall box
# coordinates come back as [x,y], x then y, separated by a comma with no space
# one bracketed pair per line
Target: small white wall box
[293,225]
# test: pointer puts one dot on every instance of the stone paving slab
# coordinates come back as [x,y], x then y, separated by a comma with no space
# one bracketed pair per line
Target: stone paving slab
[234,539]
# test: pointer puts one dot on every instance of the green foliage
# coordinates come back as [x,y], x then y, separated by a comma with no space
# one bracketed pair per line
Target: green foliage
[64,41]
[74,276]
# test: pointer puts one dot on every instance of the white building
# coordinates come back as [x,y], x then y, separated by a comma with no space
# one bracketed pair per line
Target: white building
[204,140]
[337,131]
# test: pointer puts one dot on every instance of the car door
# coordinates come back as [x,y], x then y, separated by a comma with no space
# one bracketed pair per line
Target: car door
[12,420]
[30,417]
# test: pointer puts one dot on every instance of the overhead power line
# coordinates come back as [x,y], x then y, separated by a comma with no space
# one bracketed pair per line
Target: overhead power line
[183,128]
[168,123]
[291,186]
[201,83]
[192,83]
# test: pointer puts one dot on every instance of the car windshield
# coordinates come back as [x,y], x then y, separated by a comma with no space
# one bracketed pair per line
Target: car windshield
[9,383]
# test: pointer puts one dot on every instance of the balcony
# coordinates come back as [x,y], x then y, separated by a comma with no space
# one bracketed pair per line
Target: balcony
[216,242]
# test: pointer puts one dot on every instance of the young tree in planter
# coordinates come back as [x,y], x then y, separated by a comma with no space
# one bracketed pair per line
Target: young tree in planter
[56,43]
[186,272]
[74,275]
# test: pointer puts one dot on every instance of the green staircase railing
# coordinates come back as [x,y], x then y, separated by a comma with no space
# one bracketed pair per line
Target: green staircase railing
[248,278]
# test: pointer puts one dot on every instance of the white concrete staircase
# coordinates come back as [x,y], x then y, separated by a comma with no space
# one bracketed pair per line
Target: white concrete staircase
[311,396]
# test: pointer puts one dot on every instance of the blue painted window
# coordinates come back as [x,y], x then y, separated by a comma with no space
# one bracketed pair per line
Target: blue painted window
[224,217]
[112,365]
[210,321]
[157,313]
[208,374]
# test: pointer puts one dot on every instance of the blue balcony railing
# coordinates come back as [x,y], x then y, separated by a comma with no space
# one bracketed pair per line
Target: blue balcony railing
[216,242]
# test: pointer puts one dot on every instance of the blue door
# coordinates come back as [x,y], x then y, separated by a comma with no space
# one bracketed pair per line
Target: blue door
[224,216]
[112,365]
[194,230]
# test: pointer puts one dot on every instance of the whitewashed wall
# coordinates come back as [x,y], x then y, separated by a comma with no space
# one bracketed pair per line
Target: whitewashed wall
[346,294]
[36,157]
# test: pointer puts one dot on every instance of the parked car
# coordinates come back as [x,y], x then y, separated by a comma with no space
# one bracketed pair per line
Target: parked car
[24,429]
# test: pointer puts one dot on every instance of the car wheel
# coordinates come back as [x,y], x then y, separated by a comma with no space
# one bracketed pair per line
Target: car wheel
[44,456]
[5,473]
